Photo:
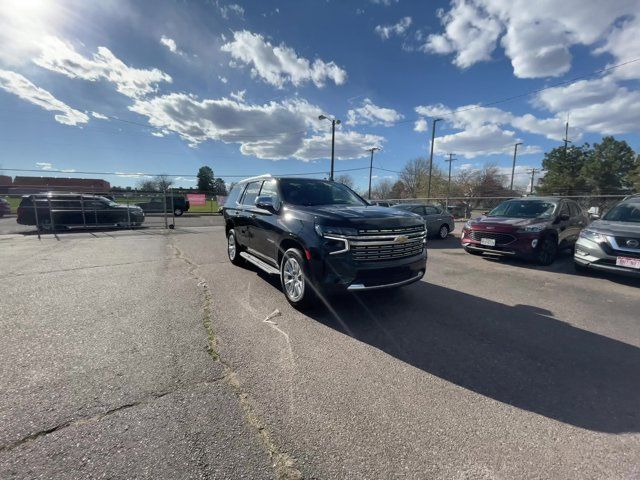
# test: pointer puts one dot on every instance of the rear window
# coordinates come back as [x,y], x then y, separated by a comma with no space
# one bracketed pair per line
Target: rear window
[234,195]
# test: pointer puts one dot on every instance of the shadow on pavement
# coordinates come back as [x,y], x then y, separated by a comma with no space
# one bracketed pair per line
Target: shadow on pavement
[519,355]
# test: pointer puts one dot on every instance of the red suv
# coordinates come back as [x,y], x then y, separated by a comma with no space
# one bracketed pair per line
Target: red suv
[5,208]
[533,228]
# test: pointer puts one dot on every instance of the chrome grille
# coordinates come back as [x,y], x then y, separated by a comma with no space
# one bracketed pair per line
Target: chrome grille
[500,238]
[387,244]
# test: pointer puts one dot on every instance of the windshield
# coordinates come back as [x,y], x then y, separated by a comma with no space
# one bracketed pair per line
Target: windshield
[524,209]
[318,192]
[624,212]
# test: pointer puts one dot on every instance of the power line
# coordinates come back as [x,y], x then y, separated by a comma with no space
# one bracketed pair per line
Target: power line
[139,174]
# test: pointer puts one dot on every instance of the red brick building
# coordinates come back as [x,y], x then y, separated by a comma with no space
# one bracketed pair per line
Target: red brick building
[42,184]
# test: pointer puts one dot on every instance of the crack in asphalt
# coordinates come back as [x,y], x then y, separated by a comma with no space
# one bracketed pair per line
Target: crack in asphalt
[283,463]
[86,267]
[96,418]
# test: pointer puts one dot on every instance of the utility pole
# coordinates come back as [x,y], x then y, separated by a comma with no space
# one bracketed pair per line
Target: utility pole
[451,160]
[566,138]
[533,172]
[334,122]
[433,135]
[513,168]
[372,149]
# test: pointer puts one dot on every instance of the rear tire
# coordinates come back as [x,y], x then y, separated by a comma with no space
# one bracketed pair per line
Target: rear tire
[547,251]
[233,248]
[295,279]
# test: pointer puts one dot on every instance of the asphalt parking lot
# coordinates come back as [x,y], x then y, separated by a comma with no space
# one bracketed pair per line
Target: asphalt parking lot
[147,354]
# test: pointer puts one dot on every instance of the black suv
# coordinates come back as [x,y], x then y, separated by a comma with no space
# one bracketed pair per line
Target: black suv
[321,237]
[161,204]
[66,210]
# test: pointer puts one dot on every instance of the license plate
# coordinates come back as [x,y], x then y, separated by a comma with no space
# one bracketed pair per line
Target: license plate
[489,242]
[628,262]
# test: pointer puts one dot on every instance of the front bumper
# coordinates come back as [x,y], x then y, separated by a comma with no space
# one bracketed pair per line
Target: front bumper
[341,273]
[522,246]
[591,255]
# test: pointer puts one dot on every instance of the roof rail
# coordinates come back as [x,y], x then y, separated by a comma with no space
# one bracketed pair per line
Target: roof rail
[633,195]
[257,177]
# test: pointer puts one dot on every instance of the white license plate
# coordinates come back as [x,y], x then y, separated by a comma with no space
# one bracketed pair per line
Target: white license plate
[489,242]
[628,262]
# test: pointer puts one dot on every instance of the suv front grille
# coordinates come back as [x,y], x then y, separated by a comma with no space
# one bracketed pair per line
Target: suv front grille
[387,244]
[500,238]
[622,242]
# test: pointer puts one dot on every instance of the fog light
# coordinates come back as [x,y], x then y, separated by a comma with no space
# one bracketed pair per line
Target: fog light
[534,242]
[580,252]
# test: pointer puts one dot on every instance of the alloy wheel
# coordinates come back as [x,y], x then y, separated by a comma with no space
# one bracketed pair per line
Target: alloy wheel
[231,246]
[293,279]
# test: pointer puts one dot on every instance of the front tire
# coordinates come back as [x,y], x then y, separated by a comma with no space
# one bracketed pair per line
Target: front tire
[548,251]
[294,278]
[233,248]
[178,212]
[443,232]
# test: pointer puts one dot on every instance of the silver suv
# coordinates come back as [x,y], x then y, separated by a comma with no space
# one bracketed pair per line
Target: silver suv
[613,242]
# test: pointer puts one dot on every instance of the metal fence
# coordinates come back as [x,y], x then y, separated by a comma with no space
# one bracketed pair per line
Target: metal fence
[52,211]
[466,207]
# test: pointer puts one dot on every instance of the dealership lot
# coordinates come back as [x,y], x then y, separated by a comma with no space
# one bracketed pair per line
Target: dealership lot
[485,369]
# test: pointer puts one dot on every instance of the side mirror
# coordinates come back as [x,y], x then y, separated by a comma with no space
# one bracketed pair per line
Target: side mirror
[266,203]
[594,216]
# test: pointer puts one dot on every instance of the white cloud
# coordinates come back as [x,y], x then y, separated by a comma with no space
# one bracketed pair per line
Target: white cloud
[225,10]
[536,36]
[386,3]
[60,56]
[222,79]
[278,65]
[20,86]
[420,125]
[370,113]
[480,141]
[132,175]
[275,130]
[238,96]
[170,43]
[44,165]
[386,31]
[99,116]
[624,45]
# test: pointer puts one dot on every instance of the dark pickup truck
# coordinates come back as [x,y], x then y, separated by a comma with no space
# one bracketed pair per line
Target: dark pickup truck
[177,204]
[320,237]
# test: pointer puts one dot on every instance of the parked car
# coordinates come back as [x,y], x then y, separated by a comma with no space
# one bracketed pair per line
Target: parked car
[612,243]
[158,205]
[533,228]
[76,210]
[439,222]
[5,208]
[320,237]
[381,203]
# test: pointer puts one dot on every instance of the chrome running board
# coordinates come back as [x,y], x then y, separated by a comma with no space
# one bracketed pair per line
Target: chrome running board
[260,264]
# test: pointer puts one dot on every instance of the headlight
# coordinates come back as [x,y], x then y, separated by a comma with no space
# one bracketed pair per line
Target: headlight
[324,230]
[533,228]
[593,236]
[468,224]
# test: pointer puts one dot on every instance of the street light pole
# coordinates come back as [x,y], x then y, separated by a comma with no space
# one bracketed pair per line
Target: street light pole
[533,172]
[334,122]
[451,160]
[372,149]
[433,135]
[513,168]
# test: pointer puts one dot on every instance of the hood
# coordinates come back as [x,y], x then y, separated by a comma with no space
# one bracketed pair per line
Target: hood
[608,227]
[506,221]
[363,217]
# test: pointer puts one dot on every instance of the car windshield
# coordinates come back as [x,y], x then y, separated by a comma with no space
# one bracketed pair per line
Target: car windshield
[318,192]
[524,209]
[624,212]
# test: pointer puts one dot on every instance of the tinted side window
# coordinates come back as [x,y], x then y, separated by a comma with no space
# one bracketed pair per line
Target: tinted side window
[234,195]
[564,209]
[429,210]
[575,209]
[418,210]
[251,193]
[270,189]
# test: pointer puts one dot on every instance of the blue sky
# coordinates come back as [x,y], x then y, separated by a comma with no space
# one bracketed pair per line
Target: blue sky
[168,86]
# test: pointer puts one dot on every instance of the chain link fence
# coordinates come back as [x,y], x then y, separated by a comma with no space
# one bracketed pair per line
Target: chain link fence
[34,209]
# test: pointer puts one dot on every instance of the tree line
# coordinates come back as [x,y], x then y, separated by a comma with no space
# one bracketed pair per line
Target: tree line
[206,183]
[609,167]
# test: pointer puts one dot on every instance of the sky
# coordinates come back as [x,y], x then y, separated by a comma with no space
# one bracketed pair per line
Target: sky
[164,87]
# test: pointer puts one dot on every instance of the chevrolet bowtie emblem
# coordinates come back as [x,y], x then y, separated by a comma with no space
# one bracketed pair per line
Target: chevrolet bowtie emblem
[401,239]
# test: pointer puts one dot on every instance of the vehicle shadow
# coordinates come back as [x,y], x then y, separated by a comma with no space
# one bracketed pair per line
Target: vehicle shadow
[451,242]
[519,355]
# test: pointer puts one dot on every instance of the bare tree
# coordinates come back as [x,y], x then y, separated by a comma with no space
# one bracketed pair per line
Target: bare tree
[148,185]
[382,189]
[163,182]
[415,176]
[345,180]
